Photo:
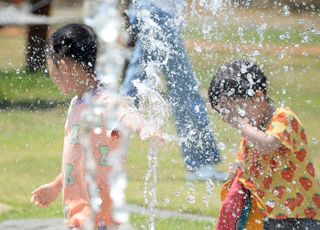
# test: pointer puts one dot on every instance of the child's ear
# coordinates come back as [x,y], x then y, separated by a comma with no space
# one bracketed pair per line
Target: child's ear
[65,67]
[259,95]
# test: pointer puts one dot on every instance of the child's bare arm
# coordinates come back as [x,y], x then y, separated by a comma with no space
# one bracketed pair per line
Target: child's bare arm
[44,195]
[263,142]
[58,182]
[135,122]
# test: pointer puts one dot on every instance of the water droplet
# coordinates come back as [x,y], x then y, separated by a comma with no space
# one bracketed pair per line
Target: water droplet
[198,48]
[286,10]
[257,221]
[240,33]
[301,21]
[250,92]
[190,186]
[197,109]
[281,54]
[243,69]
[191,199]
[271,204]
[97,111]
[221,146]
[166,201]
[205,201]
[305,54]
[305,38]
[97,130]
[252,55]
[209,187]
[241,111]
[285,36]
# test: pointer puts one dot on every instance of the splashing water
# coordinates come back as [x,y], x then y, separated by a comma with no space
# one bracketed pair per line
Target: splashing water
[106,20]
[153,106]
[93,118]
[155,109]
[90,120]
[104,17]
[150,197]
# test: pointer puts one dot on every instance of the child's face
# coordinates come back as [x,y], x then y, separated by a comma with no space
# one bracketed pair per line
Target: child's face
[232,109]
[60,77]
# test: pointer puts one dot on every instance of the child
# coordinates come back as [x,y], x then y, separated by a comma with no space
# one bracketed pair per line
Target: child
[71,60]
[273,172]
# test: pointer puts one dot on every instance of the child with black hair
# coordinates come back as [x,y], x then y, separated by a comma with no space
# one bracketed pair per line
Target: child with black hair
[272,185]
[71,57]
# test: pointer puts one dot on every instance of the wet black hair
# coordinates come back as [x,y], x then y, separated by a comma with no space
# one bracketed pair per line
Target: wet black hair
[237,79]
[77,42]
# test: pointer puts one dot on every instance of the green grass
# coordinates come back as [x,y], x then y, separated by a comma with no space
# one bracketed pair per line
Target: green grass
[31,144]
[23,86]
[31,141]
[252,27]
[9,59]
[276,36]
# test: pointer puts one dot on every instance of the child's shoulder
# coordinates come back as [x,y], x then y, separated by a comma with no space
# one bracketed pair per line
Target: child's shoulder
[283,110]
[285,115]
[73,101]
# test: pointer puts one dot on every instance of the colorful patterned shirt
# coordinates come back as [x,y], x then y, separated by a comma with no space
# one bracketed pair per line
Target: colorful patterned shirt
[284,180]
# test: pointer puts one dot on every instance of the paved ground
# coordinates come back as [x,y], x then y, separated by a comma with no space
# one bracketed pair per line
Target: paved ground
[56,223]
[52,224]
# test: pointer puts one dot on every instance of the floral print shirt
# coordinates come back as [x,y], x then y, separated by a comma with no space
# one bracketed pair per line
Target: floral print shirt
[285,180]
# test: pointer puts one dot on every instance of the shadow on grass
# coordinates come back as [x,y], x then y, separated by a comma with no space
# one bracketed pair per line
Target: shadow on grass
[35,104]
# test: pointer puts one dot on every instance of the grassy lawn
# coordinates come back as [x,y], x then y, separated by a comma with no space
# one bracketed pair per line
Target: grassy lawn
[252,26]
[31,144]
[23,86]
[31,141]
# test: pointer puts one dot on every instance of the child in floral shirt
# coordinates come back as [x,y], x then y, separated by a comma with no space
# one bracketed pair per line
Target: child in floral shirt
[273,184]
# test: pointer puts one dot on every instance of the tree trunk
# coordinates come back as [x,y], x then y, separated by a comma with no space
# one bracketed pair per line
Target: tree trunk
[36,41]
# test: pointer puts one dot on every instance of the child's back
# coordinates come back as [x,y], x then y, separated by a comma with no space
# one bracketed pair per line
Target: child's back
[76,197]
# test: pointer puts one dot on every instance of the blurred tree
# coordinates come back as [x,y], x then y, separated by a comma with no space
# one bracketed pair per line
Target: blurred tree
[37,36]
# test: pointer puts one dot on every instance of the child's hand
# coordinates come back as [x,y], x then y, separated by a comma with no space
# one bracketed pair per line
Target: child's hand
[153,135]
[43,196]
[233,170]
[237,122]
[233,118]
